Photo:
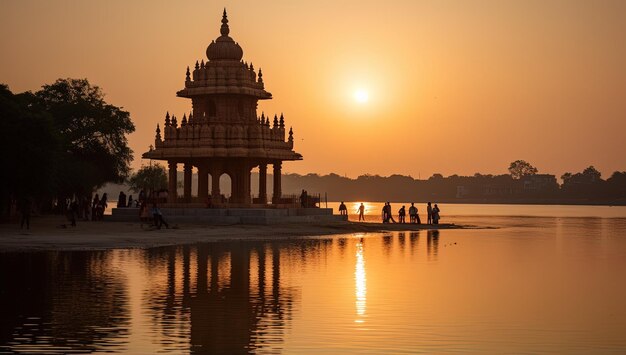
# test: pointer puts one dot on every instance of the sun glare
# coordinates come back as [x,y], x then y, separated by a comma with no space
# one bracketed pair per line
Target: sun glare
[361,96]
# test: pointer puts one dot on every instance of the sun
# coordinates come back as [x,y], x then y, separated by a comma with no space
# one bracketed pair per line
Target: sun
[361,96]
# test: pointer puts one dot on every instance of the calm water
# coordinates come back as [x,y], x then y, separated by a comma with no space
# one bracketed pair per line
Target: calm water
[535,284]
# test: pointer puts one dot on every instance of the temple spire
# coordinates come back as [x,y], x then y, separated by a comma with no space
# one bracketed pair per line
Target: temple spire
[275,121]
[282,121]
[224,30]
[167,118]
[188,78]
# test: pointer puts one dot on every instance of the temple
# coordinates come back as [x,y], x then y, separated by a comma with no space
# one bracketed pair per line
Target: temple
[223,134]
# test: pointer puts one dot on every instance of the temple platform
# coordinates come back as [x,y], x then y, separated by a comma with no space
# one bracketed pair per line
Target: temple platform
[227,216]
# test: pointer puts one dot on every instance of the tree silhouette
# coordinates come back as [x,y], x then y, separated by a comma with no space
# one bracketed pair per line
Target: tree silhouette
[93,135]
[152,177]
[520,168]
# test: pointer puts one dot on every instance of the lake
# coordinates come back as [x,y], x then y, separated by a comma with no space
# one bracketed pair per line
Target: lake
[543,279]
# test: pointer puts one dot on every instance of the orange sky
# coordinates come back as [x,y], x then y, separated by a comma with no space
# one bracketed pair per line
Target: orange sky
[454,86]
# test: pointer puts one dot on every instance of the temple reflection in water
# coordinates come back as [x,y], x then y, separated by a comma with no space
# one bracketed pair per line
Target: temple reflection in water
[223,297]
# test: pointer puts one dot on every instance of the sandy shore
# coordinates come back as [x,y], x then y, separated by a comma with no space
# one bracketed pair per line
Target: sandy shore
[54,233]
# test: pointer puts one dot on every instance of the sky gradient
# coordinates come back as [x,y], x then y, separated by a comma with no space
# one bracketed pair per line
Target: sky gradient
[453,86]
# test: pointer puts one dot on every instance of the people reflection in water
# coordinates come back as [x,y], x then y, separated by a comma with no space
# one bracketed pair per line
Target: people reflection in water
[432,242]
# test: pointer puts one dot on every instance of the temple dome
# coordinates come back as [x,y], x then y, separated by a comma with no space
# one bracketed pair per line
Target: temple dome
[224,47]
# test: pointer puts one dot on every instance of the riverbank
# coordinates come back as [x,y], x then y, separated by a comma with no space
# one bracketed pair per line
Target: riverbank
[54,233]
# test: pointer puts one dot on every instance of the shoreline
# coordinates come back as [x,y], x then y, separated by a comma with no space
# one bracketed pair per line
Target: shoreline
[53,233]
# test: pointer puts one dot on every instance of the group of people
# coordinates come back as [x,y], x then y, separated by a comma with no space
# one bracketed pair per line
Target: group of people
[433,215]
[123,202]
[414,217]
[98,206]
[387,215]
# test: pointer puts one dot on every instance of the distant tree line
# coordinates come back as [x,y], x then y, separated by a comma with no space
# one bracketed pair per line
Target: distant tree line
[523,184]
[61,142]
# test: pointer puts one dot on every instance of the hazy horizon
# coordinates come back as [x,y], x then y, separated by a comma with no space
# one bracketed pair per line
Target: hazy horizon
[452,87]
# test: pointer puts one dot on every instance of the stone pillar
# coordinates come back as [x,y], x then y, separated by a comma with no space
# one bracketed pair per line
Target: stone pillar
[187,182]
[203,183]
[171,193]
[215,186]
[263,183]
[277,183]
[246,189]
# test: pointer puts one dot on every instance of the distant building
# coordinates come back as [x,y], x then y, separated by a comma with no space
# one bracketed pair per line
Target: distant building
[539,183]
[223,134]
[461,191]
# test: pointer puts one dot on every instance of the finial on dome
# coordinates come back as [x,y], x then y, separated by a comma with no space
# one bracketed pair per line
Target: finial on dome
[188,77]
[224,30]
[202,64]
[158,132]
[197,65]
[167,118]
[290,135]
[282,121]
[275,121]
[260,76]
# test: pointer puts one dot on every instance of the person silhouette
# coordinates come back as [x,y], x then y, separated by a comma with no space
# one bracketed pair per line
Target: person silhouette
[25,207]
[402,215]
[412,213]
[436,214]
[384,214]
[343,210]
[158,217]
[389,214]
[429,212]
[361,212]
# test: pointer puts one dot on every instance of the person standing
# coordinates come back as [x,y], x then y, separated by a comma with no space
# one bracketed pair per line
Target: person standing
[402,215]
[436,214]
[417,216]
[103,206]
[389,213]
[94,207]
[429,212]
[343,210]
[25,207]
[73,212]
[384,214]
[412,213]
[158,217]
[121,200]
[362,212]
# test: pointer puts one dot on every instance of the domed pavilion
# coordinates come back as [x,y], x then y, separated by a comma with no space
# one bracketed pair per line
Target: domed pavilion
[223,134]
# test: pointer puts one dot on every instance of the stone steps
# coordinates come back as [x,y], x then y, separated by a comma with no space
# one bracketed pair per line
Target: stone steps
[225,216]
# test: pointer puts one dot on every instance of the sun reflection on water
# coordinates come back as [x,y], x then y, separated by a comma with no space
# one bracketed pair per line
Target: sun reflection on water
[360,283]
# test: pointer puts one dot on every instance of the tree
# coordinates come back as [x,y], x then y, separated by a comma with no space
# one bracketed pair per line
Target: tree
[94,148]
[151,177]
[520,168]
[30,146]
[592,174]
